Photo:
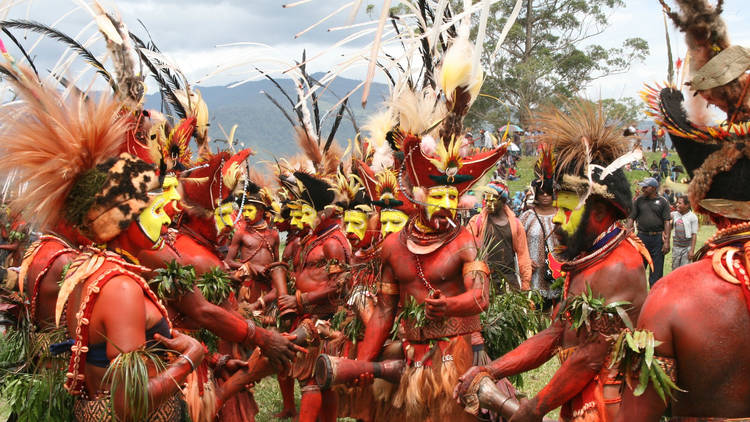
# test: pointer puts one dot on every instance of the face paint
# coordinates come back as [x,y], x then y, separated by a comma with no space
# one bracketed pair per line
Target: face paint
[392,221]
[304,216]
[492,201]
[355,224]
[249,211]
[154,218]
[568,217]
[442,198]
[223,217]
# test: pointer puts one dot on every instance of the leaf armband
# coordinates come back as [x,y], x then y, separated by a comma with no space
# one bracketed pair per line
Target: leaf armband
[595,314]
[215,285]
[173,281]
[633,355]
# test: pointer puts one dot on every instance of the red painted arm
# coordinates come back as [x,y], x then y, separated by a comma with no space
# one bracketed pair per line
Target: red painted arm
[476,298]
[530,354]
[232,252]
[380,323]
[574,374]
[216,319]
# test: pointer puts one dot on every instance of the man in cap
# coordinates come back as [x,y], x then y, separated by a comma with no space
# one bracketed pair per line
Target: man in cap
[651,214]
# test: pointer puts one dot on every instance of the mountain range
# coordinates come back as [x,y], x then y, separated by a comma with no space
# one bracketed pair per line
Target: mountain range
[263,128]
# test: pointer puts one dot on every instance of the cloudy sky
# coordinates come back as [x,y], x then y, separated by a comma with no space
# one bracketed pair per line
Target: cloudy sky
[194,33]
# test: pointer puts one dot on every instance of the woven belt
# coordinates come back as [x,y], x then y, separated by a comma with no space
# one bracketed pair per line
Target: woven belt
[650,233]
[448,327]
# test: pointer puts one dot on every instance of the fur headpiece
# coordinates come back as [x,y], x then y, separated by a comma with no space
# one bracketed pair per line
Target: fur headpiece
[316,191]
[716,157]
[589,150]
[65,151]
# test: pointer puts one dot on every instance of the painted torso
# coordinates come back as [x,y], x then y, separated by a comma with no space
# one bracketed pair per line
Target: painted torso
[312,258]
[441,268]
[701,318]
[617,277]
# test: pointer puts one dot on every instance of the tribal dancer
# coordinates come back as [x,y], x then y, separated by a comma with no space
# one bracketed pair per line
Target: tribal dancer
[110,310]
[697,317]
[430,268]
[317,266]
[603,262]
[257,244]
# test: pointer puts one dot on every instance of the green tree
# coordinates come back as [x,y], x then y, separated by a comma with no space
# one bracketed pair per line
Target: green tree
[547,56]
[627,110]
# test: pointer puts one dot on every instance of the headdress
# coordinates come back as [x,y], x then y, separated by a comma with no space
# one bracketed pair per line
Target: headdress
[716,157]
[434,113]
[544,169]
[256,191]
[66,151]
[590,152]
[216,180]
[382,188]
[350,194]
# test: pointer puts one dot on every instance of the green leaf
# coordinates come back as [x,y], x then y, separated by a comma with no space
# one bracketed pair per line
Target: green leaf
[642,383]
[649,356]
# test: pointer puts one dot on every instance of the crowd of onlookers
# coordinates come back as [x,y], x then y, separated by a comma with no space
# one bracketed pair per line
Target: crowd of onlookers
[661,217]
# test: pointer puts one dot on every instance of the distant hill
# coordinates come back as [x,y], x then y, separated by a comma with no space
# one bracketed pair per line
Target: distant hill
[262,127]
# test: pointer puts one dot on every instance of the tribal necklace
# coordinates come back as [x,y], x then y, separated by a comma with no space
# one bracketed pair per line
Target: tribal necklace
[420,274]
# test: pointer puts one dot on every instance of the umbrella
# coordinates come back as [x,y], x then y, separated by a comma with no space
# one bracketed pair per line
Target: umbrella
[513,128]
[513,147]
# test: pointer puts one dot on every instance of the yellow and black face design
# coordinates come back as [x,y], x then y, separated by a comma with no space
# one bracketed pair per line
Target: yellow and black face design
[304,216]
[568,217]
[442,200]
[355,224]
[154,218]
[249,212]
[392,221]
[223,217]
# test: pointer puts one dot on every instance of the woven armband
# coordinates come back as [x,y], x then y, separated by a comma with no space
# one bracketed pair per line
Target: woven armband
[479,266]
[669,366]
[390,289]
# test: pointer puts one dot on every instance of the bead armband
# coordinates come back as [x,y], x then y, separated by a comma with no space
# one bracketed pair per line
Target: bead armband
[479,266]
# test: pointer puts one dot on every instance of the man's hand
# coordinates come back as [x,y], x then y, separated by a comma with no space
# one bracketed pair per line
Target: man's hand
[287,302]
[234,365]
[278,348]
[464,381]
[183,344]
[535,265]
[665,248]
[691,254]
[436,305]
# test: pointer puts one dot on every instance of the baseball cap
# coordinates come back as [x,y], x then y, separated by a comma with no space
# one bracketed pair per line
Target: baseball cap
[649,181]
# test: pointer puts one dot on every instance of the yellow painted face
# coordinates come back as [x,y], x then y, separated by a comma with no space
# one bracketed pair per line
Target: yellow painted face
[303,217]
[568,217]
[355,222]
[249,211]
[153,219]
[223,217]
[442,198]
[392,221]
